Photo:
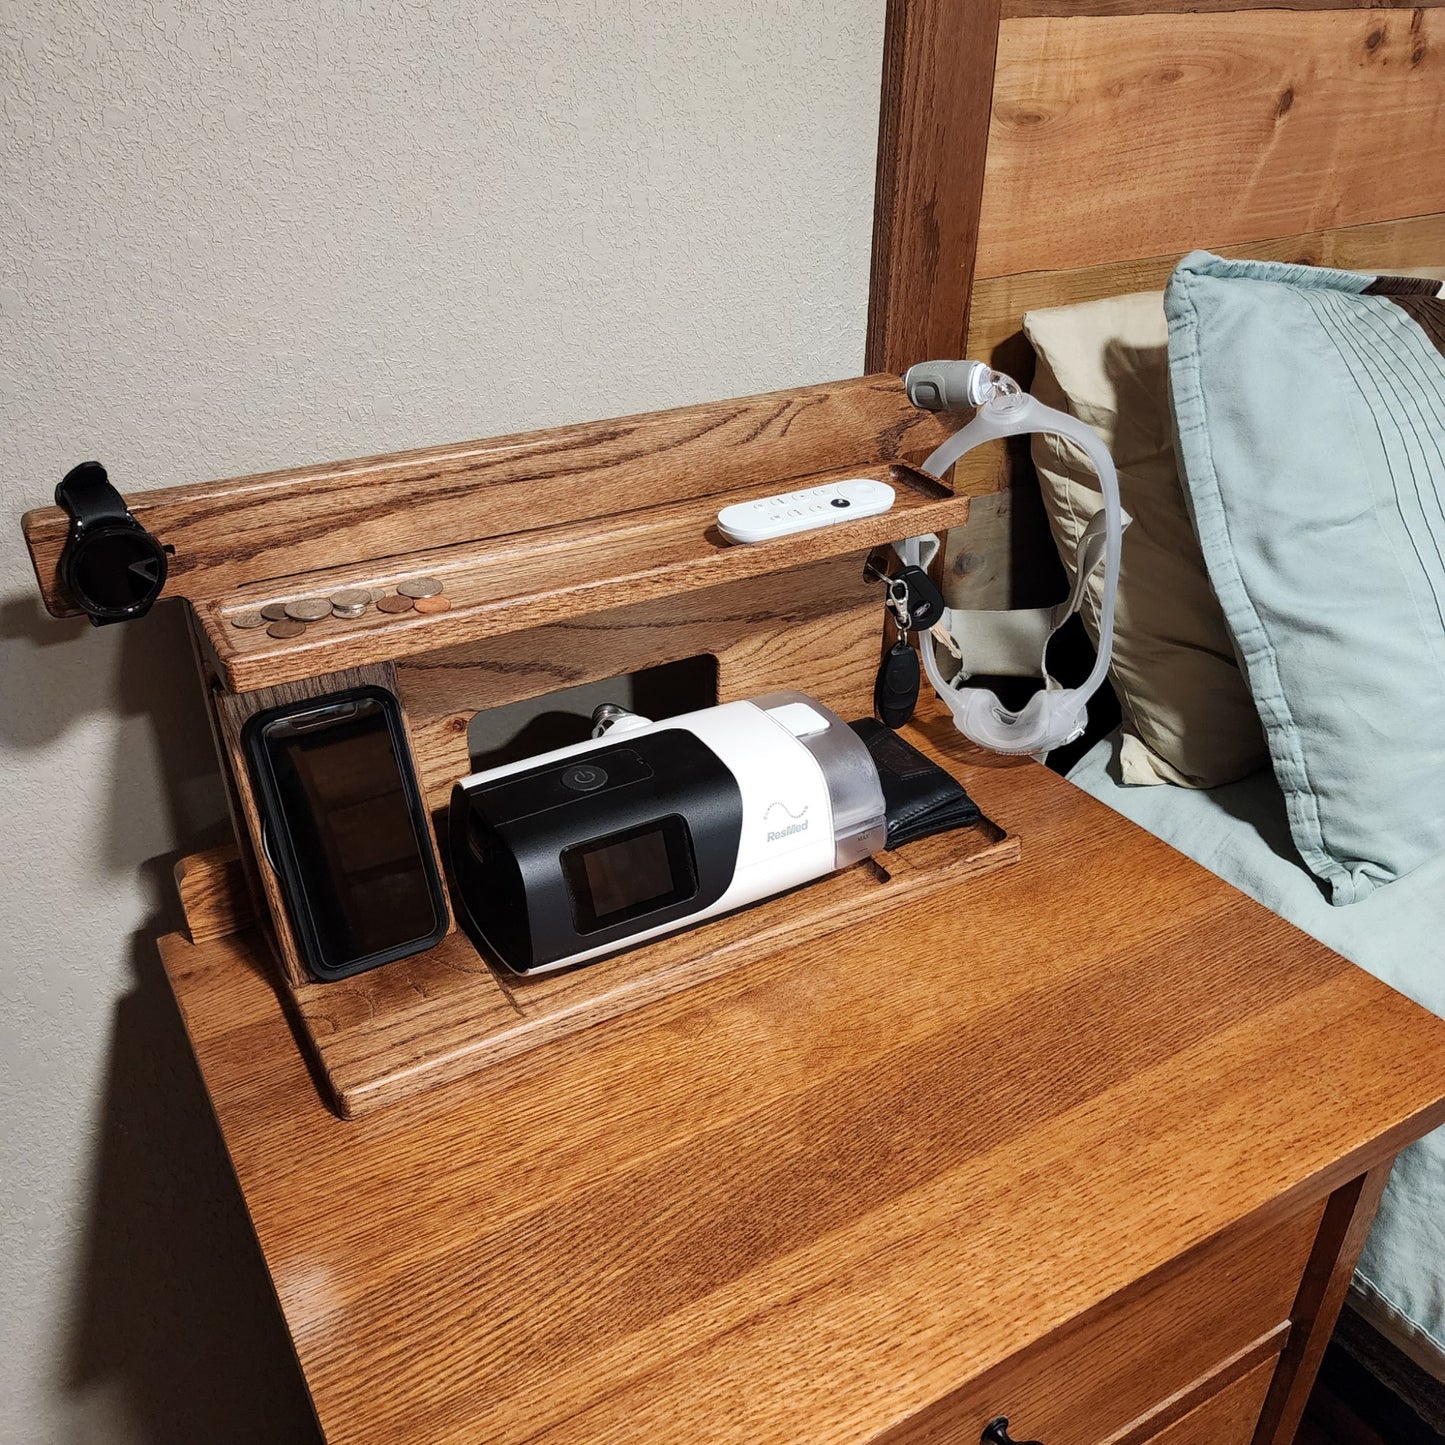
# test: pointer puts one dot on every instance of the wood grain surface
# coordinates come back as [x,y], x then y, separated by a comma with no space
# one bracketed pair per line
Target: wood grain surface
[212,890]
[1118,137]
[1130,1369]
[1012,9]
[812,1197]
[509,584]
[1202,1400]
[1225,1419]
[999,302]
[386,1035]
[1322,1293]
[344,515]
[938,58]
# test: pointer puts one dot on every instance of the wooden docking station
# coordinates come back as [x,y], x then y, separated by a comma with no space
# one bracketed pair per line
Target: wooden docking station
[571,555]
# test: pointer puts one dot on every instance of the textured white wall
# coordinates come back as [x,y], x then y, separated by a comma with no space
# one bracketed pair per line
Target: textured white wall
[246,234]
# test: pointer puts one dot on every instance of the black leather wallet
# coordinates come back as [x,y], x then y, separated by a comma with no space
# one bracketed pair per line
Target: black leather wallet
[919,798]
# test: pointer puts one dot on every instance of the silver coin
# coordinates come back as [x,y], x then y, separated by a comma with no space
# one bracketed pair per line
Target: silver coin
[419,587]
[350,609]
[247,619]
[309,609]
[350,597]
[274,612]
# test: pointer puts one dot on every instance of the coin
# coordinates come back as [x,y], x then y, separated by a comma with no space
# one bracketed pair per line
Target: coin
[350,602]
[286,628]
[309,609]
[395,603]
[274,612]
[247,619]
[419,587]
[429,605]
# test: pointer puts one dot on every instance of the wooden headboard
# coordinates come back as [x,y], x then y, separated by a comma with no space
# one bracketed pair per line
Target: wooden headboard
[1038,152]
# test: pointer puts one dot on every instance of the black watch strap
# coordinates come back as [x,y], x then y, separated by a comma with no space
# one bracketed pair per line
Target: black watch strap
[86,492]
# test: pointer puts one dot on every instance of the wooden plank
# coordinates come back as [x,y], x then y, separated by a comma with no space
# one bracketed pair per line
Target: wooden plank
[1177,1420]
[812,1197]
[1136,1366]
[817,627]
[938,58]
[1322,1293]
[383,1036]
[1018,9]
[213,894]
[538,576]
[1226,1418]
[1117,137]
[257,530]
[999,302]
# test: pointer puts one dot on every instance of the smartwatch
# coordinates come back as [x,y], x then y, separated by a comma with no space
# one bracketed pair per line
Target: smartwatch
[110,565]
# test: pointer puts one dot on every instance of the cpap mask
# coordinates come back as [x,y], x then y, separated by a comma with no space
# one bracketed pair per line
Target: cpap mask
[1015,642]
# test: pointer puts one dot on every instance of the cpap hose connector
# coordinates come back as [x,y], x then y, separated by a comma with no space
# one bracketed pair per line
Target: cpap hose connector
[956,385]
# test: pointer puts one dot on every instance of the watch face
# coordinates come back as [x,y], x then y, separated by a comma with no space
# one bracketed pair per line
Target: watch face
[115,572]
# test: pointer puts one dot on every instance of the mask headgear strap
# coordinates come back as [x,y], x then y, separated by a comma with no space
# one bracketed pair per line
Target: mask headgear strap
[1055,715]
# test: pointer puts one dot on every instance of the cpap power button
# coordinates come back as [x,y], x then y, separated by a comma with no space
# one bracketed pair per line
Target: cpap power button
[583,778]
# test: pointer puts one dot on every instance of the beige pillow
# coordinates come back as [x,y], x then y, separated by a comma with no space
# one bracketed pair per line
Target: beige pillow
[1188,717]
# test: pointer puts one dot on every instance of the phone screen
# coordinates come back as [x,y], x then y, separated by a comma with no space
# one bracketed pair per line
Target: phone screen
[358,852]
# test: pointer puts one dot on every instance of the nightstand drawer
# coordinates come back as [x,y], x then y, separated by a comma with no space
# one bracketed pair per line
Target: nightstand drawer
[1226,1418]
[1097,1380]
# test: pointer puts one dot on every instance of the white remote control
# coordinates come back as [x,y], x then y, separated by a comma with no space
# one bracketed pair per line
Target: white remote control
[790,512]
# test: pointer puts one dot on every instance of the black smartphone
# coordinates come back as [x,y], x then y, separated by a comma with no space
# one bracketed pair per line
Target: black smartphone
[345,828]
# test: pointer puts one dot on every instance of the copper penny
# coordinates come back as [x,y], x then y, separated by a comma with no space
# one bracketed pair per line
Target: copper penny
[274,612]
[287,627]
[394,603]
[419,587]
[247,619]
[429,605]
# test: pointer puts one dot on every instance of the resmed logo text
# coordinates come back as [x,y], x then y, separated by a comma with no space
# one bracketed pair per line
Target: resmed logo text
[797,822]
[787,832]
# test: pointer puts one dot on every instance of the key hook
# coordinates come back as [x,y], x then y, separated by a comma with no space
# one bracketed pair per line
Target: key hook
[897,603]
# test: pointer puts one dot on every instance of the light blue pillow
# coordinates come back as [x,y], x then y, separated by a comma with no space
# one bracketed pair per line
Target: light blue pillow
[1310,408]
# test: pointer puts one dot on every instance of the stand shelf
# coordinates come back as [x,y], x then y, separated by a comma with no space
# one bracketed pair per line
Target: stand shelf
[383,1036]
[532,577]
[568,556]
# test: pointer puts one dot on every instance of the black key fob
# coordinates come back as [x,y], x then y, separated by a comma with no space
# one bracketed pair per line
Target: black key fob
[895,693]
[925,601]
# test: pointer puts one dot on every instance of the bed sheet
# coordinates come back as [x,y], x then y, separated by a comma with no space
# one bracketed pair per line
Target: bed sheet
[1240,832]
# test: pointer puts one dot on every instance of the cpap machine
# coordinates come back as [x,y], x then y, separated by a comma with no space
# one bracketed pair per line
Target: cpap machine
[654,826]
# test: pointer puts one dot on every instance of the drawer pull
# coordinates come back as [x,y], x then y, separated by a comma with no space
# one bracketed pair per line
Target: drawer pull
[996,1433]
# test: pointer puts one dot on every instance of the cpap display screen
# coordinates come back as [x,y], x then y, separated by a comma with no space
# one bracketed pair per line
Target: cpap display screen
[625,875]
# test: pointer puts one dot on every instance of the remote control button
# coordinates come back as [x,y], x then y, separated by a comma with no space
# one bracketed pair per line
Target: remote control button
[841,502]
[583,778]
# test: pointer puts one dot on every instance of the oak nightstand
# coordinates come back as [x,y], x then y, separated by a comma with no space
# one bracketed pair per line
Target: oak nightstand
[1090,1142]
